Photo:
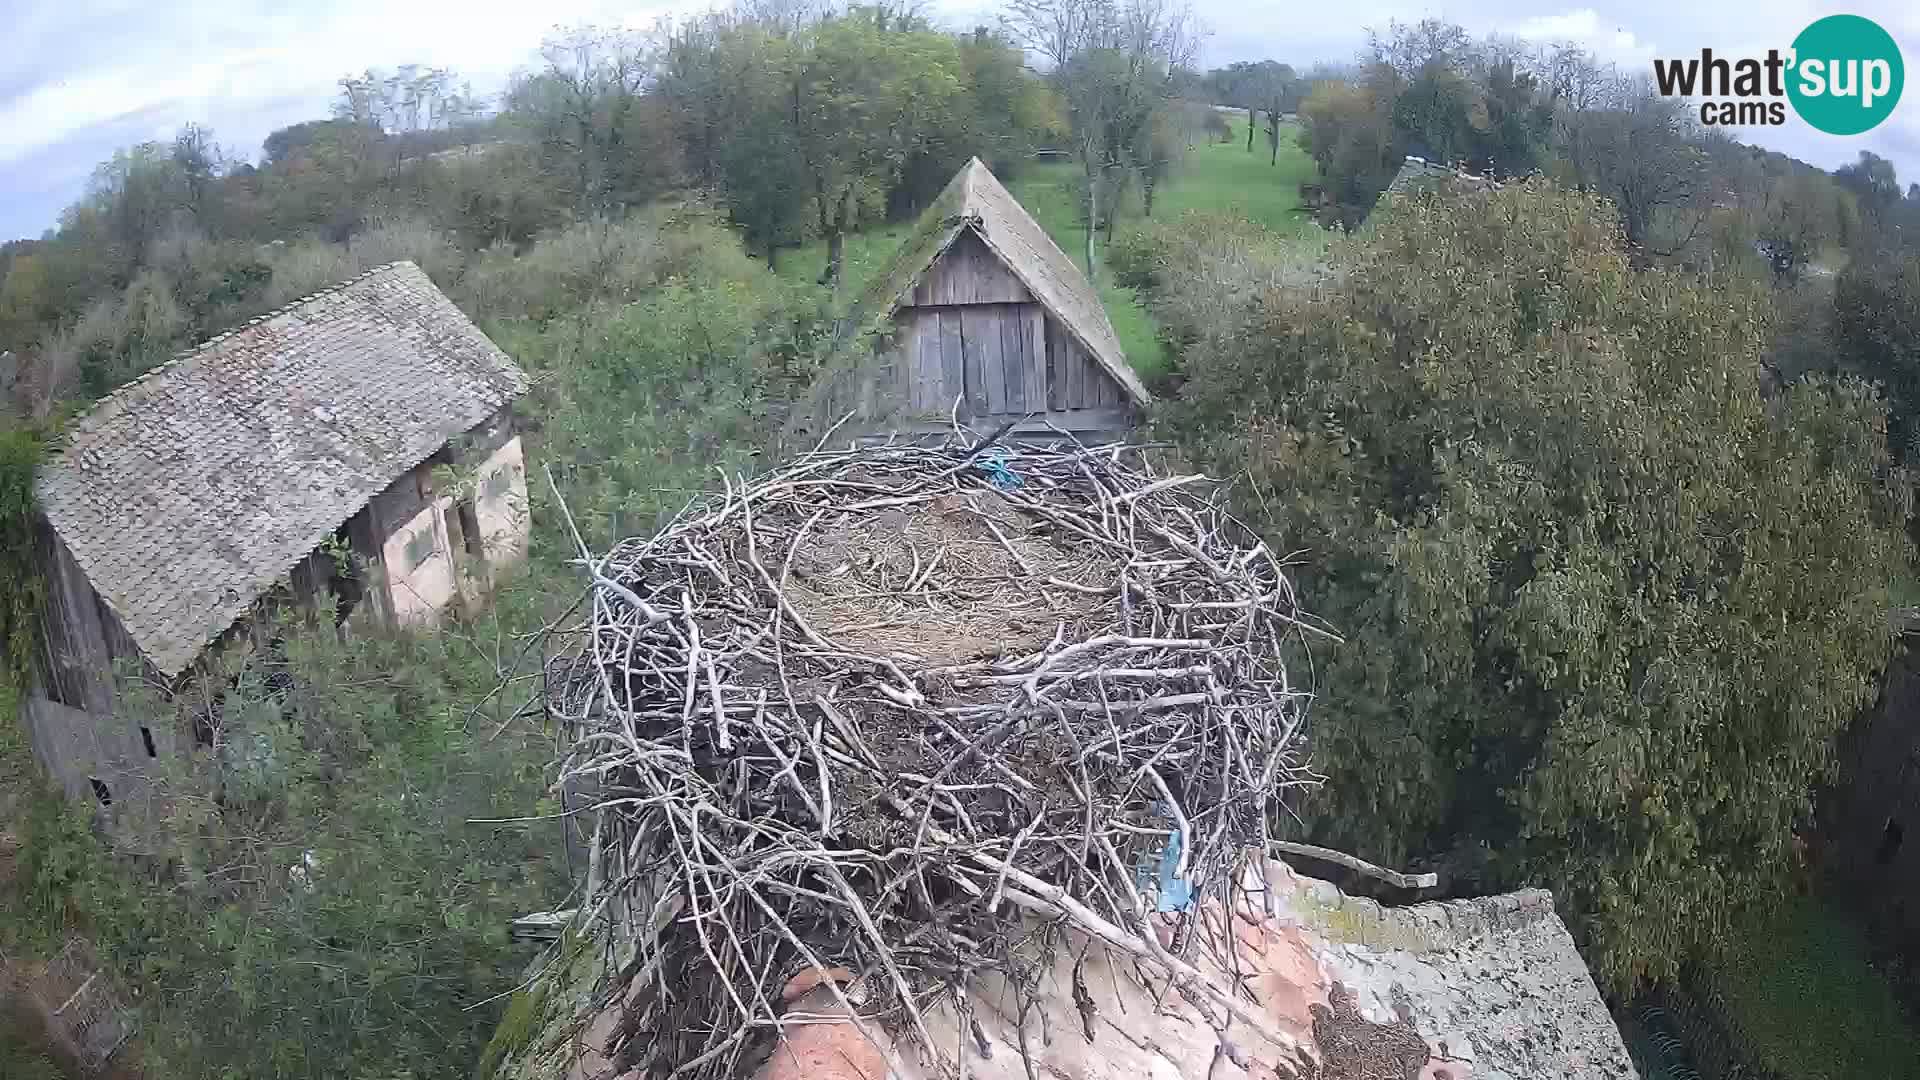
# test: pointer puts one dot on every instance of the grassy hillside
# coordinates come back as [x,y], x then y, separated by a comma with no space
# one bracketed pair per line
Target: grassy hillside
[1214,177]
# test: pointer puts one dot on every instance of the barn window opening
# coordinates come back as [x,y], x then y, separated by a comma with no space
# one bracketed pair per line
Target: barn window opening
[1890,840]
[146,737]
[100,791]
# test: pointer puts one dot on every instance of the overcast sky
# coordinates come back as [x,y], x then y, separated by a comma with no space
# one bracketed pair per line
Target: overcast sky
[79,78]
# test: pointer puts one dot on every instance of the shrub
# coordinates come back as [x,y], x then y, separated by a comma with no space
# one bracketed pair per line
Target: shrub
[1206,271]
[1606,606]
[21,589]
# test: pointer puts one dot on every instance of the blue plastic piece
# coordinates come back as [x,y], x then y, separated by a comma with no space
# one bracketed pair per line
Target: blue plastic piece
[1175,893]
[998,474]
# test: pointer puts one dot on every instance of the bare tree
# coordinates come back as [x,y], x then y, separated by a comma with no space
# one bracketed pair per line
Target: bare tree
[1058,30]
[1115,65]
[1411,49]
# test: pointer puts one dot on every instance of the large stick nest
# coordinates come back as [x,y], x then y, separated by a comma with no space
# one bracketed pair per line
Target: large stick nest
[889,710]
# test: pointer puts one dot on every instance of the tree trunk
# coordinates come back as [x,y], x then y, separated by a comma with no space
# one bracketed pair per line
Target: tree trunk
[1093,218]
[835,226]
[1146,197]
[836,245]
[773,256]
[1251,124]
[1274,138]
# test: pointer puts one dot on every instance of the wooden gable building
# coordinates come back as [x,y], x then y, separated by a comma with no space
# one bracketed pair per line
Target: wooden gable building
[357,443]
[982,318]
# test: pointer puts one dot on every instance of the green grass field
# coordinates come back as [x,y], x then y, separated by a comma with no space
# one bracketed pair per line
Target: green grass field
[1214,177]
[1802,996]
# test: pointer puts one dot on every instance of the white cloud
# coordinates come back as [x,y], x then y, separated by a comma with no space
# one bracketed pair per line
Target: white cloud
[224,58]
[1584,27]
[80,77]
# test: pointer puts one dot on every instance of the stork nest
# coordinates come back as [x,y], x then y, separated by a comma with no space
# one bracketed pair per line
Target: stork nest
[874,717]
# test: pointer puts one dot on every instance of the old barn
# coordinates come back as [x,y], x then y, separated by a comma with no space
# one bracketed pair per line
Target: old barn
[357,444]
[982,318]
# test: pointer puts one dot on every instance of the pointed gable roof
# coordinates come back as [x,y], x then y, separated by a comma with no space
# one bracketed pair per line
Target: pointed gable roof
[186,494]
[976,200]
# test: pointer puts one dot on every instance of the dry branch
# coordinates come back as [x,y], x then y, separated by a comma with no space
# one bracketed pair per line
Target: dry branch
[867,710]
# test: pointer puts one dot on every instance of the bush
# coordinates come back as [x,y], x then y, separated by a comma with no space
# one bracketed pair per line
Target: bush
[1206,271]
[645,401]
[21,590]
[569,268]
[1606,607]
[351,919]
[311,265]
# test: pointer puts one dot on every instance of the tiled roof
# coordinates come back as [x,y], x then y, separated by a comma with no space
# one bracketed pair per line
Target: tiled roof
[975,199]
[1490,988]
[186,494]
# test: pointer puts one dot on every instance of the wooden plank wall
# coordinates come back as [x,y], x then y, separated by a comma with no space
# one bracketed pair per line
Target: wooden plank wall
[80,637]
[1074,379]
[968,273]
[970,330]
[1001,359]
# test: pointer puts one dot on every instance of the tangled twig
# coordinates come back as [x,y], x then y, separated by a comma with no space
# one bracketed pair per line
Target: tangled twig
[872,710]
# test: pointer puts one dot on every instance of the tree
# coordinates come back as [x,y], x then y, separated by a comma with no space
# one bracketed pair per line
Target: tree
[1872,178]
[1876,311]
[866,98]
[1345,126]
[1558,524]
[730,95]
[198,158]
[1265,85]
[1001,113]
[608,141]
[1280,92]
[1409,50]
[1115,66]
[1514,120]
[1432,113]
[136,193]
[1644,157]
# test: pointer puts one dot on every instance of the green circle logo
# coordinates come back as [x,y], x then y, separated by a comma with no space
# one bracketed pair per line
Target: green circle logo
[1846,75]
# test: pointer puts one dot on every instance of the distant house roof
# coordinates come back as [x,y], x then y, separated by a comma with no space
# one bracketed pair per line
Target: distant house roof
[975,200]
[186,494]
[1417,173]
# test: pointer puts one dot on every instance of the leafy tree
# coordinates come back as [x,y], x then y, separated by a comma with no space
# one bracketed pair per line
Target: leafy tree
[866,98]
[1433,114]
[1876,310]
[1268,85]
[1514,120]
[1871,178]
[1643,156]
[1605,605]
[1409,50]
[1346,128]
[608,141]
